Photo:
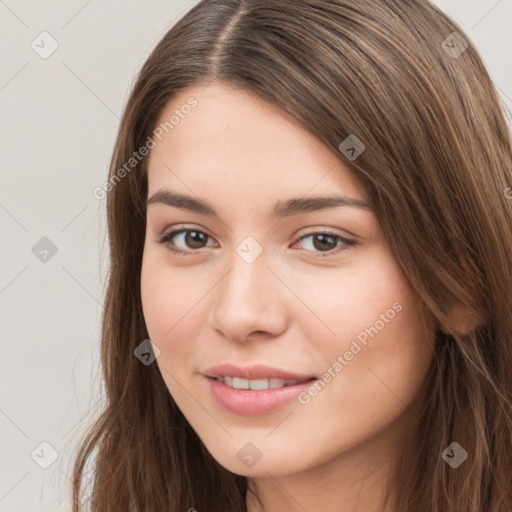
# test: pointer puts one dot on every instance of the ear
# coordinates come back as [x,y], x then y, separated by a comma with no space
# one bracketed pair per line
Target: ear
[461,322]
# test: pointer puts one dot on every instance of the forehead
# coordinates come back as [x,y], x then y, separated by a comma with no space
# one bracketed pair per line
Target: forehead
[233,143]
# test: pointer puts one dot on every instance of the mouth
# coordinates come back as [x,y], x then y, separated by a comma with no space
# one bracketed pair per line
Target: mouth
[254,390]
[259,384]
[269,396]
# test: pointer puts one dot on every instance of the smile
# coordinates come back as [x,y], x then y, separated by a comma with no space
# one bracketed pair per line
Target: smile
[256,384]
[247,401]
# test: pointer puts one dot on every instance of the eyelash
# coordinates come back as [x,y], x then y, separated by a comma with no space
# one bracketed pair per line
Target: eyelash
[348,243]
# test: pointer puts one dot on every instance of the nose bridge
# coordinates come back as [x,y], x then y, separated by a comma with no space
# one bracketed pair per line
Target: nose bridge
[248,262]
[245,301]
[246,283]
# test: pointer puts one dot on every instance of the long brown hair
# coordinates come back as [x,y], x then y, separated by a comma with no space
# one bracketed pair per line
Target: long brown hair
[437,168]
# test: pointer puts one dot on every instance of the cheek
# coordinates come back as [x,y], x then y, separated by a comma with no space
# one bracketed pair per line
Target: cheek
[154,299]
[348,299]
[384,359]
[167,303]
[166,294]
[374,323]
[175,308]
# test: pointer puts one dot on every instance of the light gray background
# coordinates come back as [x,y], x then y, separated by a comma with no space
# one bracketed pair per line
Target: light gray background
[59,117]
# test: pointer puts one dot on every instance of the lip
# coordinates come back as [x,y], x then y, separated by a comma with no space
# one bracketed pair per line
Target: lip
[253,372]
[250,402]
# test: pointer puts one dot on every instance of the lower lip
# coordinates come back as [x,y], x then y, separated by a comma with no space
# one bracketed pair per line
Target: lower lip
[254,403]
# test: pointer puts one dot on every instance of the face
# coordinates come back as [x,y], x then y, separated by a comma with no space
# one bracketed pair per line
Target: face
[312,292]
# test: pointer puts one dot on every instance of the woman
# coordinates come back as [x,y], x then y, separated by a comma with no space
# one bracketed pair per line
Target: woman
[309,300]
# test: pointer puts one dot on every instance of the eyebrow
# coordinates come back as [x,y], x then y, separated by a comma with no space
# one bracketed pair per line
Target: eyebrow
[287,208]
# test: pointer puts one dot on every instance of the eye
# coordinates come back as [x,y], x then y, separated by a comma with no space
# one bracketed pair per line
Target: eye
[194,239]
[327,243]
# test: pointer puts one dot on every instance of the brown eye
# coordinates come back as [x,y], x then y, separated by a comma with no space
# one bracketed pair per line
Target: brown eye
[195,239]
[324,242]
[186,241]
[190,240]
[327,243]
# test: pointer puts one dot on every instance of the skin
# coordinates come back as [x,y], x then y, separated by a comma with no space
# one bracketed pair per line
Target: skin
[290,308]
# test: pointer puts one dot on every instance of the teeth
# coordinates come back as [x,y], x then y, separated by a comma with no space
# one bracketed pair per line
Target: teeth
[240,383]
[256,384]
[277,383]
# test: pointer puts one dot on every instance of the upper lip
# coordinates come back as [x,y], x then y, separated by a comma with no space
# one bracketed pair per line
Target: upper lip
[253,372]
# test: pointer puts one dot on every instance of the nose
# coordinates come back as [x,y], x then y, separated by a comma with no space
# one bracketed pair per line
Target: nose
[249,301]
